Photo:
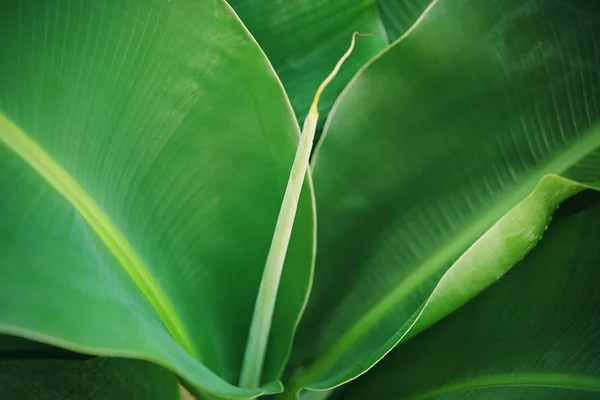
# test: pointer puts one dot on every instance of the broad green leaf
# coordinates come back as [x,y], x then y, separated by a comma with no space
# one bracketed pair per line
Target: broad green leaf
[96,379]
[144,152]
[532,335]
[455,138]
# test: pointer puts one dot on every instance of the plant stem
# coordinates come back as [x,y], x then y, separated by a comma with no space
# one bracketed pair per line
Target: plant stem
[265,303]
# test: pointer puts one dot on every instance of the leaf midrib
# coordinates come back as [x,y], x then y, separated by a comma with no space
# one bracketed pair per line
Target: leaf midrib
[582,146]
[43,163]
[543,379]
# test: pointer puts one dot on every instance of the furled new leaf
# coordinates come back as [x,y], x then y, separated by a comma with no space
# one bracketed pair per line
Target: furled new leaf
[144,151]
[455,138]
[269,286]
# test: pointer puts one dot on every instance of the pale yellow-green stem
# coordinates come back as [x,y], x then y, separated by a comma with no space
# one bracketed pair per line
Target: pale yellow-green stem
[265,303]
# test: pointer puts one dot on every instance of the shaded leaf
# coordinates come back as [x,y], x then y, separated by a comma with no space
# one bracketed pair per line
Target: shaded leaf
[97,379]
[14,347]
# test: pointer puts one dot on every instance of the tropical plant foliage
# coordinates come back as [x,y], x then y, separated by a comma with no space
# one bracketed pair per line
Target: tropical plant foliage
[145,148]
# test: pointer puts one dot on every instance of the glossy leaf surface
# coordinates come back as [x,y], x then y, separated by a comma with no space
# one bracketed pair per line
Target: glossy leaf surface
[144,152]
[97,379]
[532,335]
[443,136]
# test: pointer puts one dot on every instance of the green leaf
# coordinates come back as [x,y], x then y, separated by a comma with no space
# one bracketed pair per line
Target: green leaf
[97,379]
[144,151]
[532,335]
[454,131]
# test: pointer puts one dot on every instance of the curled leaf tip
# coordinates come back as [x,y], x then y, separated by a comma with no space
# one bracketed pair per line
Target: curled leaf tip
[314,107]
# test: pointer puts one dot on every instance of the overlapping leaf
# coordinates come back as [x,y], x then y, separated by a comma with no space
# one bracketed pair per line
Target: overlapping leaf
[432,143]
